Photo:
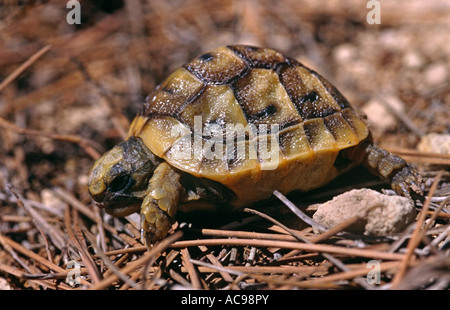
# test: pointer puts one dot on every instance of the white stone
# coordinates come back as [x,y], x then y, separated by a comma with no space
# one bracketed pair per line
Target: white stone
[378,115]
[436,74]
[381,215]
[435,143]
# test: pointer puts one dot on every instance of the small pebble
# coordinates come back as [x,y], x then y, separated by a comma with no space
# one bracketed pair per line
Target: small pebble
[436,74]
[435,143]
[381,215]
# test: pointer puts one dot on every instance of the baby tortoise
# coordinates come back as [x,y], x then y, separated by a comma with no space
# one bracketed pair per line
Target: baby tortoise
[229,128]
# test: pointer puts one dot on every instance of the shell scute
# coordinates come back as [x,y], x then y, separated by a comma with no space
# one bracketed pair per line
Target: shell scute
[180,87]
[259,57]
[311,98]
[355,121]
[294,143]
[218,66]
[303,117]
[242,156]
[216,105]
[164,129]
[319,137]
[264,99]
[341,130]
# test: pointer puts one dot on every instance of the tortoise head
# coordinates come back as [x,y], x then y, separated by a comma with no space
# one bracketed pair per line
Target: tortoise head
[119,179]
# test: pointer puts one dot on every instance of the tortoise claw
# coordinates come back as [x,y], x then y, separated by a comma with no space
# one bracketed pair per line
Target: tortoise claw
[155,224]
[405,180]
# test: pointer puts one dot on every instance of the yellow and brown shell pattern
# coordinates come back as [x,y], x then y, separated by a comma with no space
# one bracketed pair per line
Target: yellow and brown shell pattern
[249,86]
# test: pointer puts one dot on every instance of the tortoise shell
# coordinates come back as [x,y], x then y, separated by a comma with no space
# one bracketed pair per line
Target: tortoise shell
[296,116]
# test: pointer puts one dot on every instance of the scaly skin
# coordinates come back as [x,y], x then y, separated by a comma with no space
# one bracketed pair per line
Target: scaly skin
[160,204]
[387,166]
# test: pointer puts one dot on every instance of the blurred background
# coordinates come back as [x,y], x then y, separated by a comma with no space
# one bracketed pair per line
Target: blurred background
[68,91]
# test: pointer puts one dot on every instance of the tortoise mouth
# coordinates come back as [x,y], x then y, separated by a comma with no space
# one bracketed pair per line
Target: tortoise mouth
[121,208]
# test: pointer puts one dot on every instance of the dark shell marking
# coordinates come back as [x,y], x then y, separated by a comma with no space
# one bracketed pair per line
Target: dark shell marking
[250,85]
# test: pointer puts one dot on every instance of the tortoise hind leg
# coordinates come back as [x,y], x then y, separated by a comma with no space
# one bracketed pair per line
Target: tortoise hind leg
[389,167]
[160,204]
[392,169]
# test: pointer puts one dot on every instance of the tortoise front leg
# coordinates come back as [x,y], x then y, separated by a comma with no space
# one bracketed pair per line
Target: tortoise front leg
[160,203]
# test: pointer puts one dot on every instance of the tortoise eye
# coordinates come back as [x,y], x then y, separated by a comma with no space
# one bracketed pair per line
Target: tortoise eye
[121,183]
